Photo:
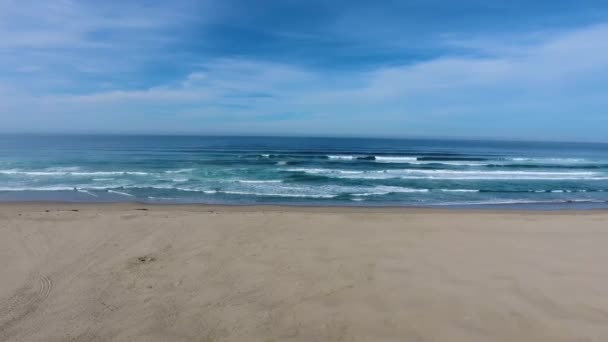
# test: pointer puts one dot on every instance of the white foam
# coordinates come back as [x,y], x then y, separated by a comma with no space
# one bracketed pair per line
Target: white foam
[459,190]
[387,192]
[108,173]
[269,190]
[549,160]
[70,173]
[342,157]
[362,194]
[161,198]
[147,186]
[518,201]
[389,159]
[231,192]
[31,173]
[452,174]
[502,173]
[180,171]
[48,188]
[259,181]
[277,194]
[88,187]
[120,193]
[399,189]
[453,163]
[323,171]
[82,189]
[406,160]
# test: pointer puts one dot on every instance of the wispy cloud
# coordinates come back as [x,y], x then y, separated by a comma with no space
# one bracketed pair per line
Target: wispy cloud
[75,24]
[69,45]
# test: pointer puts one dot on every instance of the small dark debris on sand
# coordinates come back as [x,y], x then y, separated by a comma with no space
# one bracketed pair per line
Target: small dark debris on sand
[145,259]
[144,209]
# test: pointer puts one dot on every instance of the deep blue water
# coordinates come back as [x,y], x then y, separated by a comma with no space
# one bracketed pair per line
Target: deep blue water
[315,171]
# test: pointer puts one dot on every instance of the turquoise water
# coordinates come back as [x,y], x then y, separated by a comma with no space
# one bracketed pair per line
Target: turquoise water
[302,171]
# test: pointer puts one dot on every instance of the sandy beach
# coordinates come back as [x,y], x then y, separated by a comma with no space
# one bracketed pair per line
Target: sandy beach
[128,272]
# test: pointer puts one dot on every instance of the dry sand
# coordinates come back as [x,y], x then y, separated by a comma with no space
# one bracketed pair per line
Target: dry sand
[196,273]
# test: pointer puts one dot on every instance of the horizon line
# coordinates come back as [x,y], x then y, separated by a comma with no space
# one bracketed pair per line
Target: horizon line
[269,135]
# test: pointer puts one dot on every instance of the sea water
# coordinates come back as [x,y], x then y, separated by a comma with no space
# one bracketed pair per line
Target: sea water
[303,171]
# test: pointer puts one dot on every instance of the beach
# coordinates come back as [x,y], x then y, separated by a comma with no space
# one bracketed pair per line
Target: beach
[140,272]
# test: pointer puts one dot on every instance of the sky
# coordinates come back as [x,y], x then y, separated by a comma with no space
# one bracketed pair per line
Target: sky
[471,68]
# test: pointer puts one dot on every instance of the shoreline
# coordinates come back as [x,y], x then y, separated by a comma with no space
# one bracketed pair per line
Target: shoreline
[497,208]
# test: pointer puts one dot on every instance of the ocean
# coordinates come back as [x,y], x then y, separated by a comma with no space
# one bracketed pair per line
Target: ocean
[303,171]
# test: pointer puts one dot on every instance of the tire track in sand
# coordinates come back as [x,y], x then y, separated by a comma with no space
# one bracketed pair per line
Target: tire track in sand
[23,302]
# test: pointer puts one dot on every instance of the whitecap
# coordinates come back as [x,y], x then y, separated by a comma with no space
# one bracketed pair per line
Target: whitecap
[396,159]
[341,157]
[548,160]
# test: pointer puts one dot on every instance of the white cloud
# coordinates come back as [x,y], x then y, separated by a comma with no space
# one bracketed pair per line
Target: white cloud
[531,77]
[546,65]
[72,41]
[72,24]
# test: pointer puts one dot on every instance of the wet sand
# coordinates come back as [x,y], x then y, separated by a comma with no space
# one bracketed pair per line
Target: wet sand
[197,273]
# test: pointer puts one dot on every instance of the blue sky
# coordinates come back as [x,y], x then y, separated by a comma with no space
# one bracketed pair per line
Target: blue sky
[521,69]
